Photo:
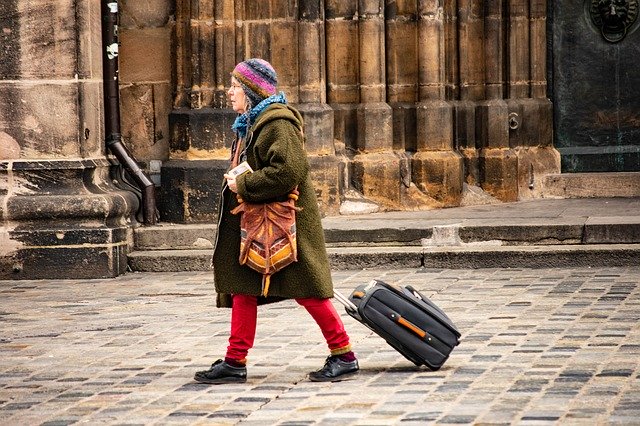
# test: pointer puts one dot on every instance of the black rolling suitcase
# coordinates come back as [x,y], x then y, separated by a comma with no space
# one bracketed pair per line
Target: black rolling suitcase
[407,320]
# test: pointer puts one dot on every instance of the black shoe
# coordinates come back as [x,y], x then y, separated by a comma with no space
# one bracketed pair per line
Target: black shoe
[335,370]
[221,372]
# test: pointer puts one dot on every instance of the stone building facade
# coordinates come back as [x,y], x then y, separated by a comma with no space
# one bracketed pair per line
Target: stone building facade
[408,104]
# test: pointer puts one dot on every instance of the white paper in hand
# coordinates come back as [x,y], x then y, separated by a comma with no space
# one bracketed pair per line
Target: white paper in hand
[241,168]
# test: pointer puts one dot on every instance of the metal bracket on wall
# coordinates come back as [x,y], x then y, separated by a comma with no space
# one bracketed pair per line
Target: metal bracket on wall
[514,120]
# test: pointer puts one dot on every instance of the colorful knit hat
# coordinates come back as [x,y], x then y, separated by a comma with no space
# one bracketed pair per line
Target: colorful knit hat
[257,78]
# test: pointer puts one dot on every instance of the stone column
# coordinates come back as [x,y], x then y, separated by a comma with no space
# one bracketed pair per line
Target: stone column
[497,163]
[61,215]
[318,116]
[436,168]
[200,123]
[531,133]
[375,168]
[342,75]
[402,82]
[472,83]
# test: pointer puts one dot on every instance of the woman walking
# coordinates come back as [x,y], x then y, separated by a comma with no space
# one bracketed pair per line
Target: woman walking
[270,139]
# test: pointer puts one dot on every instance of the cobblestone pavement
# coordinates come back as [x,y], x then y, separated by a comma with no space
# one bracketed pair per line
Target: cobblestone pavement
[540,346]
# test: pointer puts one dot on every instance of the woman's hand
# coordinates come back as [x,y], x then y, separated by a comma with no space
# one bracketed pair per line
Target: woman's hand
[231,182]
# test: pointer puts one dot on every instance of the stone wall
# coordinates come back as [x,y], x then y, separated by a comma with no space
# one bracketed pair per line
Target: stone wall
[61,215]
[405,101]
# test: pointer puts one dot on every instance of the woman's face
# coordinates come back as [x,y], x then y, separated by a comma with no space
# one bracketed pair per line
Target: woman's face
[237,97]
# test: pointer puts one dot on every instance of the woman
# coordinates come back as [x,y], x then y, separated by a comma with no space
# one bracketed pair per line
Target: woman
[269,138]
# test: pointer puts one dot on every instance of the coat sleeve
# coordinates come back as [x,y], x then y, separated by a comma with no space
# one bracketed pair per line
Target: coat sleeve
[281,160]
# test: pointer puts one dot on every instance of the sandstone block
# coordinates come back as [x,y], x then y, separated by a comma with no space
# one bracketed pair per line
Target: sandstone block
[435,125]
[346,124]
[439,174]
[145,110]
[318,128]
[190,190]
[342,62]
[145,13]
[42,118]
[377,177]
[201,133]
[499,173]
[145,55]
[534,165]
[404,126]
[327,174]
[492,124]
[375,128]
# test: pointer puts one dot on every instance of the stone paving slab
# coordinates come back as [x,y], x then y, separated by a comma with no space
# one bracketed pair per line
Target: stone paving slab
[539,346]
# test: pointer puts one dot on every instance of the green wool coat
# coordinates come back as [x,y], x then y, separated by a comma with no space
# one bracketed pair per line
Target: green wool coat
[276,153]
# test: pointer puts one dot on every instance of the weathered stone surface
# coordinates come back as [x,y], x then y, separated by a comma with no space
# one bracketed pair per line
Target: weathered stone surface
[42,117]
[318,128]
[534,165]
[402,55]
[145,13]
[312,80]
[346,125]
[145,126]
[519,49]
[64,219]
[201,133]
[375,127]
[145,55]
[492,124]
[494,49]
[435,125]
[465,142]
[327,174]
[190,190]
[377,177]
[342,61]
[471,49]
[499,171]
[591,185]
[405,126]
[439,175]
[9,147]
[431,56]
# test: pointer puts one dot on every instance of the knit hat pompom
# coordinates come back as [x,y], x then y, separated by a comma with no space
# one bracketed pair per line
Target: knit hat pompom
[257,78]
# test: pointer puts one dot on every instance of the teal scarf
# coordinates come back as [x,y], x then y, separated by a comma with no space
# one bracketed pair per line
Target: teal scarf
[244,121]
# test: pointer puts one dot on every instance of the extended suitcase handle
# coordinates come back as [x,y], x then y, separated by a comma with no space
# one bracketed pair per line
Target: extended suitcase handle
[348,304]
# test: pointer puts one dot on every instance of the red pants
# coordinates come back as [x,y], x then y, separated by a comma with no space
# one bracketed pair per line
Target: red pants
[244,317]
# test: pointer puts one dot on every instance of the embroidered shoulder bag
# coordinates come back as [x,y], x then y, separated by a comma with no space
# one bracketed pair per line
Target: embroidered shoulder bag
[268,236]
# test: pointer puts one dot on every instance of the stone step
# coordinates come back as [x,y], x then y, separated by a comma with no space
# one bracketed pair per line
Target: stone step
[415,232]
[463,256]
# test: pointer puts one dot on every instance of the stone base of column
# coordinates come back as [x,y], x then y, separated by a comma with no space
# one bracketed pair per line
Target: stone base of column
[439,174]
[499,171]
[531,137]
[327,170]
[64,219]
[201,134]
[190,190]
[534,164]
[377,177]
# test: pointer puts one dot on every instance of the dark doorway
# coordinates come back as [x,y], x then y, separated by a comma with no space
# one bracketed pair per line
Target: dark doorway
[594,83]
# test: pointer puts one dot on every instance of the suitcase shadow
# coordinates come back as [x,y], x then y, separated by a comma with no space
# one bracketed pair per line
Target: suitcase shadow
[409,368]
